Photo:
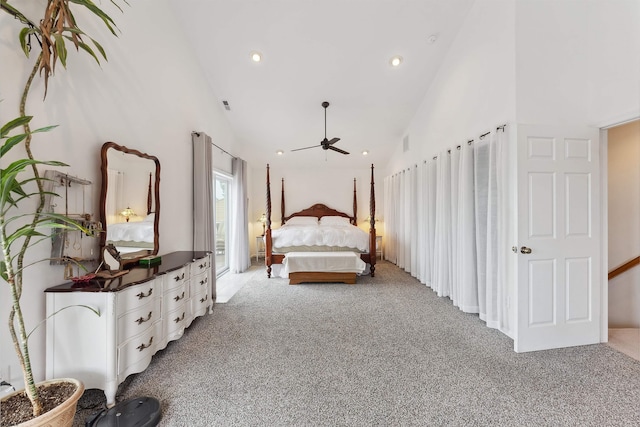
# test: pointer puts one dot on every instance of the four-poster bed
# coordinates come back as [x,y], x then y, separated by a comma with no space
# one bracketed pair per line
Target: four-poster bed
[320,244]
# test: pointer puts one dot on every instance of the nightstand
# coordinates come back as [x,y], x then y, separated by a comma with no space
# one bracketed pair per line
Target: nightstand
[259,247]
[379,252]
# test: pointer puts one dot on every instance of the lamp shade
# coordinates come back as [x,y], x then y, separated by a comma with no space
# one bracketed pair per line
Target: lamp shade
[127,213]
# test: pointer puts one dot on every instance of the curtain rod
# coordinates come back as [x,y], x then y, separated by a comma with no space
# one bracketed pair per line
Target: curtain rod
[218,147]
[469,142]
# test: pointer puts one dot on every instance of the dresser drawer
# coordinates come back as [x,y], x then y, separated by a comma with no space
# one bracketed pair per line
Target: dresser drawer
[136,350]
[176,278]
[137,321]
[200,266]
[175,297]
[176,322]
[200,284]
[136,296]
[199,304]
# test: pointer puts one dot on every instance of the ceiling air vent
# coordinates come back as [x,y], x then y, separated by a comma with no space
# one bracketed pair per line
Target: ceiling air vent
[226,105]
[405,143]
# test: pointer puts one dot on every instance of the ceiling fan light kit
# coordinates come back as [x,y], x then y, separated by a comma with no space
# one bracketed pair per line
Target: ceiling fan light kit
[326,144]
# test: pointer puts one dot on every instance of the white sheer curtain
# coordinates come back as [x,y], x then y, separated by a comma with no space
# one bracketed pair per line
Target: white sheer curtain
[454,157]
[442,239]
[413,220]
[203,230]
[431,187]
[390,219]
[490,228]
[466,249]
[446,225]
[113,202]
[402,220]
[239,256]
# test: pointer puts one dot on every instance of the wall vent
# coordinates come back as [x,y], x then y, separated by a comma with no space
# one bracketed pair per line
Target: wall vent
[226,105]
[405,143]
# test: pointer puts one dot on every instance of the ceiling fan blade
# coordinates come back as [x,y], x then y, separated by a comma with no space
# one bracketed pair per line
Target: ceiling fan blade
[333,141]
[306,148]
[337,149]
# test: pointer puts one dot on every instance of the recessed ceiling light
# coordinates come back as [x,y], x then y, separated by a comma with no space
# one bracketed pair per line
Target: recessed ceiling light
[279,152]
[256,56]
[365,152]
[395,61]
[432,38]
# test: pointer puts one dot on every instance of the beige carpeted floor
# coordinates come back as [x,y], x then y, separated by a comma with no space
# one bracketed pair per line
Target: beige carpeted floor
[385,352]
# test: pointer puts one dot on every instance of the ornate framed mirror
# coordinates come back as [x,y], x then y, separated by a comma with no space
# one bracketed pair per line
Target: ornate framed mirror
[129,201]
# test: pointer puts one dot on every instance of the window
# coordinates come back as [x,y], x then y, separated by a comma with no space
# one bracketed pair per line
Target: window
[222,185]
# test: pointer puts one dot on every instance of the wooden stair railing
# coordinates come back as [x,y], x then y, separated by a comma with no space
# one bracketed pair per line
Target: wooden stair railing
[624,267]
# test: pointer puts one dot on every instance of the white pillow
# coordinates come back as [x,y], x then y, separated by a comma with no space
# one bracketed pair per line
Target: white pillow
[150,218]
[302,220]
[335,220]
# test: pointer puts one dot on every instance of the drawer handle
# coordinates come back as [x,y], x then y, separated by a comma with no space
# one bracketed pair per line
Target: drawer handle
[179,277]
[202,266]
[203,299]
[143,345]
[202,282]
[179,297]
[141,320]
[179,318]
[142,295]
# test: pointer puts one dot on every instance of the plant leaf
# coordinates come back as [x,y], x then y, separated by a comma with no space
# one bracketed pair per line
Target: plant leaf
[3,271]
[98,12]
[61,50]
[44,129]
[11,142]
[100,48]
[24,33]
[8,127]
[86,48]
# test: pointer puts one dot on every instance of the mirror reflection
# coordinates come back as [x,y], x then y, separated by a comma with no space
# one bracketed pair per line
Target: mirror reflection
[130,205]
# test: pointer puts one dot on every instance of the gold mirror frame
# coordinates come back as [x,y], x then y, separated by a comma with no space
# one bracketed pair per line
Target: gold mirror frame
[132,257]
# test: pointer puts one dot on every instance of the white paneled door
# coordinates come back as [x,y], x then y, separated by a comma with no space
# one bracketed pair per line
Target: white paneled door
[559,238]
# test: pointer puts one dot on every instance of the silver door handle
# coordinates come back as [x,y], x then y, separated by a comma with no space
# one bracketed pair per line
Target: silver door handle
[525,250]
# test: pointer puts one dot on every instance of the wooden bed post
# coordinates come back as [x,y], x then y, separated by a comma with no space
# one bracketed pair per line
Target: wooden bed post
[282,204]
[149,195]
[267,233]
[355,204]
[372,225]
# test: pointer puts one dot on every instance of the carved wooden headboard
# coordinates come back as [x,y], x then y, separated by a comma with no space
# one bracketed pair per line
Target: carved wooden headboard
[319,210]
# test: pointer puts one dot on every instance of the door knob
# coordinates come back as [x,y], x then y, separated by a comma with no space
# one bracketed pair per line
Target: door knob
[525,250]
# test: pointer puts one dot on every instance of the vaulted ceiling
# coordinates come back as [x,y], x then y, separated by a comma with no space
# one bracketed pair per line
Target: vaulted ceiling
[320,50]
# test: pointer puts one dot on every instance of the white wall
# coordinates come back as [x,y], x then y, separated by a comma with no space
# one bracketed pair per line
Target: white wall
[624,223]
[474,90]
[149,96]
[577,62]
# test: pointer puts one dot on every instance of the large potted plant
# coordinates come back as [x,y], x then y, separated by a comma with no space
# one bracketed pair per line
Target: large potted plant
[23,222]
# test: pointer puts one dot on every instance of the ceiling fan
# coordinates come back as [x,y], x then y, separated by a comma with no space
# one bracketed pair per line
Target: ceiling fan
[326,144]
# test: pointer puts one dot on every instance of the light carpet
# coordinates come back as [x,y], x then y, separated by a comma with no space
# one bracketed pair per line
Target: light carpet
[386,352]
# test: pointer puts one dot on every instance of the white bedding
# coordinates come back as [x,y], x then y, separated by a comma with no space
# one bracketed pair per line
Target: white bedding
[335,262]
[341,236]
[140,231]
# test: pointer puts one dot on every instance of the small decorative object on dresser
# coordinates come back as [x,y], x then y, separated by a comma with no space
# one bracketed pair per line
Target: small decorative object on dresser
[141,312]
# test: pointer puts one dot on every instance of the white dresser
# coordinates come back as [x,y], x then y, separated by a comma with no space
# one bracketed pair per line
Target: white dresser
[140,313]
